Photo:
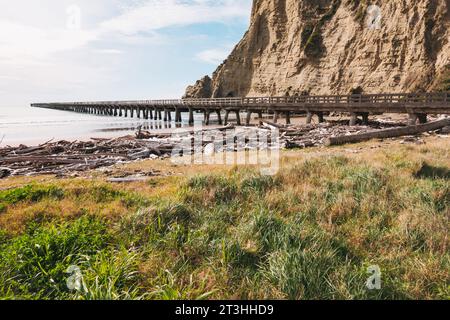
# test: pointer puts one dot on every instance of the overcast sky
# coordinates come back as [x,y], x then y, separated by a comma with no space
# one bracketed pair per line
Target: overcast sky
[66,50]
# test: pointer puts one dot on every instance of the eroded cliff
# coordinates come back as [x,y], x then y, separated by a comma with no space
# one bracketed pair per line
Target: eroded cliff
[335,46]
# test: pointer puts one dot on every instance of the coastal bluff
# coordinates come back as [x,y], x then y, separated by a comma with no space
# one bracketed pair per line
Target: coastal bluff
[295,47]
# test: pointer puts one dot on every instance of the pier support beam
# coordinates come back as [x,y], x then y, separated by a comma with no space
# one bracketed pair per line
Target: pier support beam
[260,115]
[288,117]
[417,117]
[227,115]
[207,116]
[276,115]
[412,119]
[191,116]
[320,117]
[309,116]
[249,118]
[423,118]
[219,116]
[365,118]
[353,119]
[178,116]
[238,117]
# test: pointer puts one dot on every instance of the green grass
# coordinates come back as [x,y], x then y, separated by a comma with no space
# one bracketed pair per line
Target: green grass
[310,232]
[29,193]
[35,264]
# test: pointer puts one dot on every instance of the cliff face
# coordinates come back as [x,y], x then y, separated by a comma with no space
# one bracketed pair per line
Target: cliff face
[335,46]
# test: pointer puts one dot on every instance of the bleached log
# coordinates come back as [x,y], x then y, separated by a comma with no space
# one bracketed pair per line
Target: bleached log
[388,133]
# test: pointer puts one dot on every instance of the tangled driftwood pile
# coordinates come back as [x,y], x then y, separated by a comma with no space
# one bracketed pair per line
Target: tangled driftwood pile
[63,157]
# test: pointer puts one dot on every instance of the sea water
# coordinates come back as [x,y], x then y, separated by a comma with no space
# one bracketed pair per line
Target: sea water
[31,126]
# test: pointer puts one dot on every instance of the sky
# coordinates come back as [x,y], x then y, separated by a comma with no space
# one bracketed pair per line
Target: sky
[69,50]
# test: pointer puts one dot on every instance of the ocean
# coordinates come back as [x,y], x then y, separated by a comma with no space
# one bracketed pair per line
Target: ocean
[31,126]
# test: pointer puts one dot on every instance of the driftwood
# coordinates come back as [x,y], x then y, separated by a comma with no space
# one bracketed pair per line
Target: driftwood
[271,124]
[388,133]
[63,157]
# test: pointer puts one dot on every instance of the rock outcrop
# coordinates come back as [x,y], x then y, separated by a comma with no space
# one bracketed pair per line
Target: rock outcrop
[201,89]
[335,46]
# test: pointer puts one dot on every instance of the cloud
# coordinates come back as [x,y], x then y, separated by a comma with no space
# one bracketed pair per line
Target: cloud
[213,56]
[20,41]
[42,51]
[108,51]
[158,14]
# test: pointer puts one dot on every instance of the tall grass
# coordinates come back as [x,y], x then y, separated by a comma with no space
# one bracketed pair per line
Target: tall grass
[310,232]
[35,265]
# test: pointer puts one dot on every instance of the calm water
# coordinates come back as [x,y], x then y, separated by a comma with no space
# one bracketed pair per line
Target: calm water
[26,125]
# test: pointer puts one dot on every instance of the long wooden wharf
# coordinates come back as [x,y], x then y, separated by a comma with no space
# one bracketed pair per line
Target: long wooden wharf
[416,105]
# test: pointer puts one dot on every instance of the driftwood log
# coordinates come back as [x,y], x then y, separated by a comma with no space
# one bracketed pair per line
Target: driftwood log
[63,158]
[388,133]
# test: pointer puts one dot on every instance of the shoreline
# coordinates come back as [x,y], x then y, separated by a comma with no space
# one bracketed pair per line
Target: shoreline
[66,158]
[155,126]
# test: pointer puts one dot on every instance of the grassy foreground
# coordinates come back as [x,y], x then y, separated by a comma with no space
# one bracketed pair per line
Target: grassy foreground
[309,232]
